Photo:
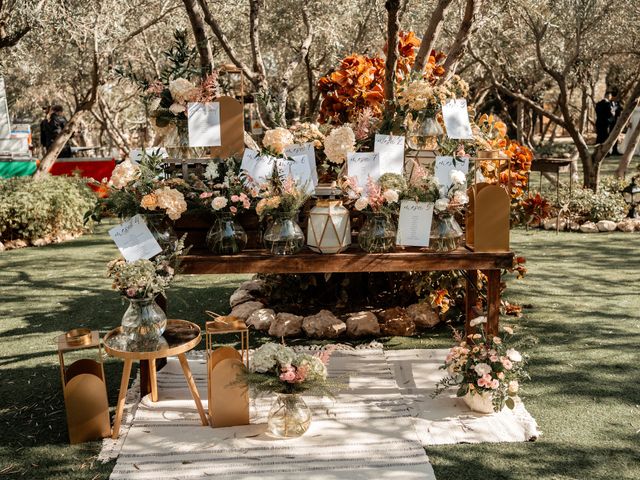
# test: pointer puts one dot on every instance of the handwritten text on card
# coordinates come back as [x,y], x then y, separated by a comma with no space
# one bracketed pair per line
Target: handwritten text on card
[134,239]
[391,151]
[414,225]
[204,124]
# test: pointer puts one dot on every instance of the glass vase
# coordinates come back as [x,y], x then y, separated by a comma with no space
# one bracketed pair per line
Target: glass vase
[289,416]
[423,133]
[378,234]
[226,236]
[445,233]
[143,324]
[161,229]
[284,236]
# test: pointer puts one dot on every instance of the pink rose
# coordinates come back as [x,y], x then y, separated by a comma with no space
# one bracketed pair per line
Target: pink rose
[485,381]
[506,363]
[495,384]
[493,358]
[288,376]
[235,198]
[206,194]
[233,209]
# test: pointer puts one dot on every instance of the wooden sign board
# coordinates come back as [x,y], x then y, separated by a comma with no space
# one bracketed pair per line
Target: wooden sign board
[488,219]
[231,129]
[228,399]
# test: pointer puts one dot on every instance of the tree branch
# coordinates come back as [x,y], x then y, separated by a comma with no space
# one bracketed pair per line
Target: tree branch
[202,42]
[431,35]
[393,29]
[255,7]
[462,37]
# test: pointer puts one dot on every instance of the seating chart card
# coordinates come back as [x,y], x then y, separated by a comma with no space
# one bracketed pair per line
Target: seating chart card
[134,239]
[414,226]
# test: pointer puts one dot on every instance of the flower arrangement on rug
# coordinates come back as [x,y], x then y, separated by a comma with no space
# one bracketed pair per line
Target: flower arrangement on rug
[486,366]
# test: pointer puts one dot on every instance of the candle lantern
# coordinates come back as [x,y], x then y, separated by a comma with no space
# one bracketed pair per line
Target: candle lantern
[329,227]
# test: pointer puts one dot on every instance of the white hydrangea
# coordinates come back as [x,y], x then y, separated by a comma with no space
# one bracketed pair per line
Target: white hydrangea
[316,370]
[277,139]
[211,172]
[124,173]
[457,177]
[264,358]
[482,369]
[391,195]
[340,142]
[441,205]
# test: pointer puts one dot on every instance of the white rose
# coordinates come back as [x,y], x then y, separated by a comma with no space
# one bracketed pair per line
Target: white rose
[361,204]
[457,177]
[391,195]
[177,109]
[482,369]
[514,386]
[460,197]
[478,321]
[514,355]
[211,171]
[441,204]
[219,203]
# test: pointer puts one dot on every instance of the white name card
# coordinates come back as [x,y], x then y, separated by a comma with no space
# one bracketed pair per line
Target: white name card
[204,124]
[259,168]
[414,225]
[134,239]
[363,165]
[391,151]
[299,168]
[456,119]
[443,168]
[308,150]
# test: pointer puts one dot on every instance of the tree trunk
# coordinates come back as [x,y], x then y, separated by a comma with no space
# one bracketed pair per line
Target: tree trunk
[462,37]
[591,167]
[393,29]
[627,156]
[202,42]
[431,35]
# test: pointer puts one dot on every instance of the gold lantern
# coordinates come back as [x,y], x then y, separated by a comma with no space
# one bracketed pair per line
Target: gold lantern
[329,227]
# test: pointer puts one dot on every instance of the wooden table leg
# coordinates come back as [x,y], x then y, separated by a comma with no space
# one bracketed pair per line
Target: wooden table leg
[153,379]
[493,301]
[471,299]
[184,363]
[124,383]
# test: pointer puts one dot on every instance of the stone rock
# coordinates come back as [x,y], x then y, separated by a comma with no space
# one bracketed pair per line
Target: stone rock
[286,325]
[1,247]
[11,244]
[636,222]
[423,315]
[573,226]
[254,287]
[395,322]
[606,225]
[261,319]
[244,310]
[240,296]
[40,242]
[363,324]
[323,324]
[626,225]
[551,224]
[589,227]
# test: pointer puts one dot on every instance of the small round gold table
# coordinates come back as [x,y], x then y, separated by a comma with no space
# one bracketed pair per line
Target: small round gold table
[179,337]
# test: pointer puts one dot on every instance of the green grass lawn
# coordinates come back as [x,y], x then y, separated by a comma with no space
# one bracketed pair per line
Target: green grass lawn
[581,322]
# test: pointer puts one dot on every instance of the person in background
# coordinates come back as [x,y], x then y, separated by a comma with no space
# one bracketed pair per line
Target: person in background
[57,122]
[616,107]
[46,136]
[604,118]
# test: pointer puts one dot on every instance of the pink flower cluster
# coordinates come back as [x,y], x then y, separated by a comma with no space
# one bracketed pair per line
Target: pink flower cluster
[487,381]
[291,374]
[374,195]
[242,198]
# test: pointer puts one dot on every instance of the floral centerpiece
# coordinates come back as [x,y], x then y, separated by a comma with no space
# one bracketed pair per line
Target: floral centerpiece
[490,135]
[485,369]
[140,282]
[445,230]
[279,369]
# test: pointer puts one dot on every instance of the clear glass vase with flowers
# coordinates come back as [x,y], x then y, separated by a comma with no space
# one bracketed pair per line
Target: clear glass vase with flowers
[446,232]
[486,369]
[278,369]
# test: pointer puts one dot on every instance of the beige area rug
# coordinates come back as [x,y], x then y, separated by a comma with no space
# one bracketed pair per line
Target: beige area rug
[365,433]
[446,419]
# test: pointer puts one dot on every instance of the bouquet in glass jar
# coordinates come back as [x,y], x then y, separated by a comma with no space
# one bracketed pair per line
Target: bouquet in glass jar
[380,202]
[226,195]
[445,230]
[484,366]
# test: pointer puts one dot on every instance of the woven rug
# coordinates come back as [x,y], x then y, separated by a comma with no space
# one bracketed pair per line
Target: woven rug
[366,432]
[446,419]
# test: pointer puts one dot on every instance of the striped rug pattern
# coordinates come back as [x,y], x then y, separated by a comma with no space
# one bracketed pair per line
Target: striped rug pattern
[367,432]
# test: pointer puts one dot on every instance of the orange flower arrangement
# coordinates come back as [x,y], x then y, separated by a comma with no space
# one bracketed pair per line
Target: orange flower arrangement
[358,83]
[517,176]
[492,132]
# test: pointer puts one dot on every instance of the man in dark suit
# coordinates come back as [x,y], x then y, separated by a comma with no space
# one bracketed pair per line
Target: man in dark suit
[604,118]
[616,107]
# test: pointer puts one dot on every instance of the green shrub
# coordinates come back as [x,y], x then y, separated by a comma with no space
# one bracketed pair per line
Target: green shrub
[50,206]
[585,205]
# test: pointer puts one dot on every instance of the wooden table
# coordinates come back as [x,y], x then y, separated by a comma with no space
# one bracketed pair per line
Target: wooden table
[553,165]
[355,260]
[169,347]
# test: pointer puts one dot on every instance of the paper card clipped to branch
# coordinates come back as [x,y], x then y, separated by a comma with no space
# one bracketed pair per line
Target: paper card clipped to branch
[391,151]
[443,168]
[137,154]
[204,124]
[414,225]
[308,150]
[363,165]
[134,239]
[456,119]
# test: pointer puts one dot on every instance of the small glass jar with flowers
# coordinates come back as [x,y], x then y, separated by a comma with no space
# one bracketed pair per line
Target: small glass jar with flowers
[446,232]
[486,370]
[379,201]
[226,195]
[279,369]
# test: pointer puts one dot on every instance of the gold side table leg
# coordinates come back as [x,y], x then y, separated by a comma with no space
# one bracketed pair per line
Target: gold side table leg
[153,379]
[184,363]
[124,383]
